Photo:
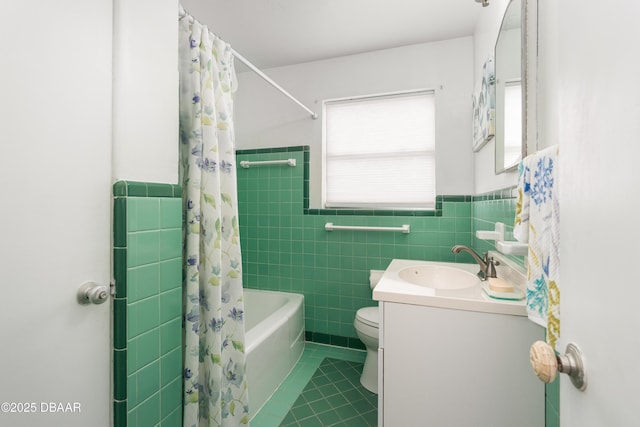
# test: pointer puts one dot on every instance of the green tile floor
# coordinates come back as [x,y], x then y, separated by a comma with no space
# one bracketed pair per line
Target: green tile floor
[323,389]
[334,397]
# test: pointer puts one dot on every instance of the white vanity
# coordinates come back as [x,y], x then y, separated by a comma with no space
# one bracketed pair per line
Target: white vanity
[452,356]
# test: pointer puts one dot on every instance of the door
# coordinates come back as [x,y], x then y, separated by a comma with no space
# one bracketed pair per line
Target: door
[595,95]
[55,169]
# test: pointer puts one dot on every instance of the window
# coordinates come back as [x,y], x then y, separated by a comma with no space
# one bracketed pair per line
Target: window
[512,123]
[379,152]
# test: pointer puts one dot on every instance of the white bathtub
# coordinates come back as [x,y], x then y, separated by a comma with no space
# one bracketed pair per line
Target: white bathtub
[274,341]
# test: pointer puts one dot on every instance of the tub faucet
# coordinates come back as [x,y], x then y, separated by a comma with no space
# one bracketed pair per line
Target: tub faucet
[487,264]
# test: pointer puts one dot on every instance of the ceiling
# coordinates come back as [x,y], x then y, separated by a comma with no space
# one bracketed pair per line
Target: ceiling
[273,33]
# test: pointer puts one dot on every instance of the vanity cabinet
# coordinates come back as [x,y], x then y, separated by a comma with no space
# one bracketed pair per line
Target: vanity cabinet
[450,367]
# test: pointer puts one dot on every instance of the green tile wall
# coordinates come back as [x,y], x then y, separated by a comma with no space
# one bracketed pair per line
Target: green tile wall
[147,317]
[489,208]
[285,246]
[552,403]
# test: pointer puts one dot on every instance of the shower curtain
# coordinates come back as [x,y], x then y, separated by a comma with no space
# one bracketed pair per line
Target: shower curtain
[215,387]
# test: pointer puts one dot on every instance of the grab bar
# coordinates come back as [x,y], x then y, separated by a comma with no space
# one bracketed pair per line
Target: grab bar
[246,164]
[406,228]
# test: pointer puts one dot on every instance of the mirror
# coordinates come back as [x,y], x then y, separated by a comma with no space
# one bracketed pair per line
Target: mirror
[510,86]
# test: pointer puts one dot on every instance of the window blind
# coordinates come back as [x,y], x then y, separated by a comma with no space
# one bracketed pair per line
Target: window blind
[380,151]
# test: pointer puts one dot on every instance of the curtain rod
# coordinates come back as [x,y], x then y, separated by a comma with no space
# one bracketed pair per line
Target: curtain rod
[245,61]
[266,78]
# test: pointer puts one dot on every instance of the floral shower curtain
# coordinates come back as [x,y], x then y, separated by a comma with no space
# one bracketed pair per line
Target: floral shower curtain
[215,387]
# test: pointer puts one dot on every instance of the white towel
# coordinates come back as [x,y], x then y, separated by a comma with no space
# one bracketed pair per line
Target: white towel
[539,208]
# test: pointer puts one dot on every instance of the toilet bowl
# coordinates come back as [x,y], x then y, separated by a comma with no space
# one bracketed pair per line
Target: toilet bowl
[366,325]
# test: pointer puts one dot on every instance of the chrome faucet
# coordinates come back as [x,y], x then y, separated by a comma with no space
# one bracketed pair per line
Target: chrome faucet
[487,264]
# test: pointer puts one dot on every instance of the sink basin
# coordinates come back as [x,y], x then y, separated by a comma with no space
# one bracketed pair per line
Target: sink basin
[446,285]
[438,277]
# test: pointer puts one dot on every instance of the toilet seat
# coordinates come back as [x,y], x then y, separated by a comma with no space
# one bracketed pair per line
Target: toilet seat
[369,316]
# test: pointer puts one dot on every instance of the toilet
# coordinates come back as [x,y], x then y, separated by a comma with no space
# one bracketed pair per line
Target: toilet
[366,324]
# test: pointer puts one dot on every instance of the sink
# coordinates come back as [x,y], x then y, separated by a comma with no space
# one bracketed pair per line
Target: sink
[448,285]
[438,277]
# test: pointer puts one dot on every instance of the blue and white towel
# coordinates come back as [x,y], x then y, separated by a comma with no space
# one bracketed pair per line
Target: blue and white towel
[521,223]
[537,222]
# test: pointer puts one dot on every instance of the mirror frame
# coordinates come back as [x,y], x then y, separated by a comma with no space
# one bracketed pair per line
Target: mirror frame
[528,113]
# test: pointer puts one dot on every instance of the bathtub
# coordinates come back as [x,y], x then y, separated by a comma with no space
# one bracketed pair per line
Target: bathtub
[274,341]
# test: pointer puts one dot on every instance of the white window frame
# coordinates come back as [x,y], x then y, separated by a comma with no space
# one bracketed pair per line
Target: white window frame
[423,207]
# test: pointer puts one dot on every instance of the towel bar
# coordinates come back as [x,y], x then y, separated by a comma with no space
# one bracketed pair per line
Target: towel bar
[406,228]
[246,164]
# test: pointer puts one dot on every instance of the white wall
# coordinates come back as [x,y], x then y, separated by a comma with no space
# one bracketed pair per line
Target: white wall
[145,91]
[484,40]
[265,118]
[549,33]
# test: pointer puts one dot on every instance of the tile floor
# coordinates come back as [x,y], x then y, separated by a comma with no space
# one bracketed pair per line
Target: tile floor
[323,389]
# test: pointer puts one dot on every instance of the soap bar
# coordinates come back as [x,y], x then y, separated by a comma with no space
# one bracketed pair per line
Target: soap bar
[499,285]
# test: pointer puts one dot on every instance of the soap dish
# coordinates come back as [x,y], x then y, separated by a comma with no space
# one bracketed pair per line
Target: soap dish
[516,295]
[512,248]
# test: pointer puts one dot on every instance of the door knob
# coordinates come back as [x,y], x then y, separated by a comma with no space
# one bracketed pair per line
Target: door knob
[92,293]
[546,364]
